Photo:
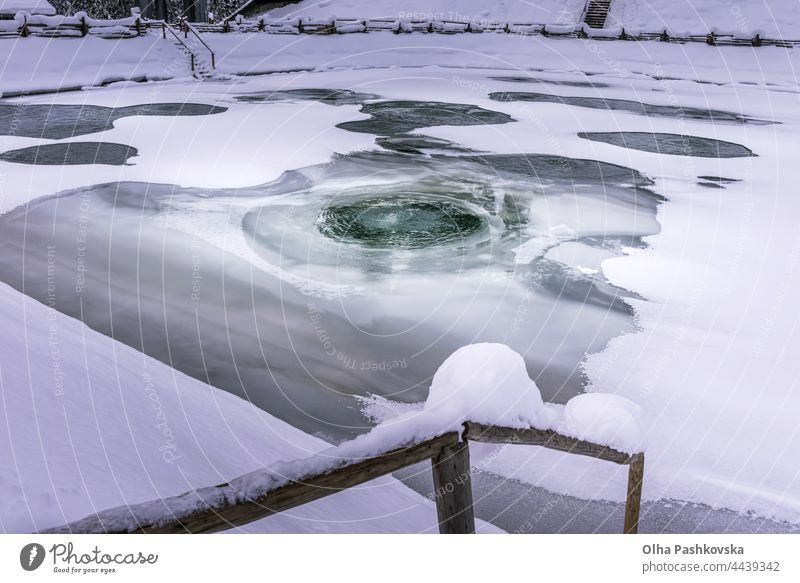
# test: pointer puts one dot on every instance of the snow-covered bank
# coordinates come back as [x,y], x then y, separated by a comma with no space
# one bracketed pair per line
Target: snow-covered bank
[541,11]
[250,54]
[769,18]
[35,64]
[90,424]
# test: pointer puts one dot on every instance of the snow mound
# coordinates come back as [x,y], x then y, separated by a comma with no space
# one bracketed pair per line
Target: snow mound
[605,419]
[487,383]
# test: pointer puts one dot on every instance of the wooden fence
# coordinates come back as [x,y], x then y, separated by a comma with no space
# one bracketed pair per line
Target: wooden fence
[400,26]
[25,25]
[226,505]
[72,26]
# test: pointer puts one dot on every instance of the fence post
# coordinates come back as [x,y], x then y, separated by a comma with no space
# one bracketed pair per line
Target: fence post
[711,39]
[453,489]
[634,497]
[84,26]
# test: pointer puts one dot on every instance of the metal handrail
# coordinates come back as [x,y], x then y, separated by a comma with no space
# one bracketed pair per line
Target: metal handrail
[189,28]
[165,28]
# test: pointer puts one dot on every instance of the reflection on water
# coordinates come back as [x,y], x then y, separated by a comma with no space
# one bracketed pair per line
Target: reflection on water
[295,296]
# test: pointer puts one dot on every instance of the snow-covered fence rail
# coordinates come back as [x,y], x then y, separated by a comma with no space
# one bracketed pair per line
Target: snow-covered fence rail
[287,485]
[77,26]
[434,26]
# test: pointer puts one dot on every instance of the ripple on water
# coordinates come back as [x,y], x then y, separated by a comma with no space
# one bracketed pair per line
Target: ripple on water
[407,221]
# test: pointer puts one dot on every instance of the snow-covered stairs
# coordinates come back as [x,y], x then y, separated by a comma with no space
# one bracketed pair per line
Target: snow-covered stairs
[194,49]
[596,13]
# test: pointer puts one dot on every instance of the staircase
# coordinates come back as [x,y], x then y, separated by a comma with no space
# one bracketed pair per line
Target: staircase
[188,41]
[596,13]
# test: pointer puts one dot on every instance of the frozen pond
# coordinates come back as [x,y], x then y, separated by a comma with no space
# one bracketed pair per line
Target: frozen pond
[350,278]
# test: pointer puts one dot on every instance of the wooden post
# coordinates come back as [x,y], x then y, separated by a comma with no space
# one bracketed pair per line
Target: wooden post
[453,488]
[634,498]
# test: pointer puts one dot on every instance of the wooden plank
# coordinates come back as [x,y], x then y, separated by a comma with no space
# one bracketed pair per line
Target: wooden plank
[224,514]
[453,489]
[545,438]
[634,498]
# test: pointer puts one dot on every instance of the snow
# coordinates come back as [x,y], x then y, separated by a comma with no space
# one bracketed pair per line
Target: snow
[32,64]
[541,11]
[605,419]
[29,6]
[486,383]
[266,53]
[92,424]
[770,18]
[709,362]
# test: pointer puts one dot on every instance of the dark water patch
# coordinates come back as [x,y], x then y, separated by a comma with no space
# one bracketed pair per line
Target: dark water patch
[637,107]
[414,144]
[558,280]
[72,154]
[719,179]
[57,122]
[564,83]
[672,144]
[399,117]
[328,96]
[710,185]
[547,168]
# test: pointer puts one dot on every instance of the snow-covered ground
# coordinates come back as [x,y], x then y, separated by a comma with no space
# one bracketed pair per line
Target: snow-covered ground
[34,64]
[710,361]
[769,18]
[541,11]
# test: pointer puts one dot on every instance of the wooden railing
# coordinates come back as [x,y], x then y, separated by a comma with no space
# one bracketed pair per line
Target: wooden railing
[228,505]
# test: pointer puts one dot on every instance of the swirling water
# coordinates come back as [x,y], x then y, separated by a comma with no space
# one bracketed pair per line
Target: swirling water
[351,278]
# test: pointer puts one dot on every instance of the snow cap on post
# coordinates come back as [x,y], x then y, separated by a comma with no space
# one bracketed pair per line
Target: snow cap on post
[486,383]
